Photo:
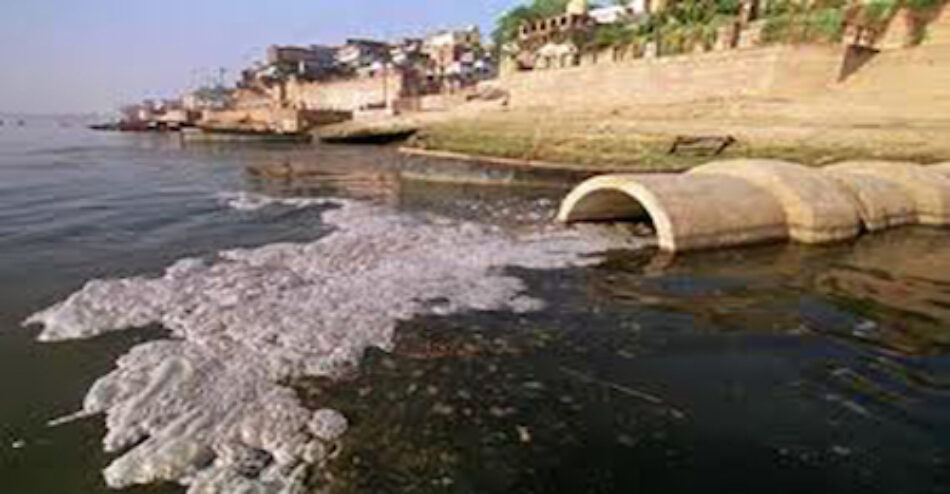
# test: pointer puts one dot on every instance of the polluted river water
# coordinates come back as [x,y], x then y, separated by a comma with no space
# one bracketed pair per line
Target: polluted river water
[172,323]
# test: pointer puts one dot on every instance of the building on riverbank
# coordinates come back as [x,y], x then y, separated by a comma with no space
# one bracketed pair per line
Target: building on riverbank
[581,36]
[363,56]
[557,41]
[575,21]
[362,77]
[311,62]
[457,58]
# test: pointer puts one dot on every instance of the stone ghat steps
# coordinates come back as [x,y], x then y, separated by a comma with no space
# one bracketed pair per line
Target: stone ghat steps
[739,202]
[899,87]
[919,76]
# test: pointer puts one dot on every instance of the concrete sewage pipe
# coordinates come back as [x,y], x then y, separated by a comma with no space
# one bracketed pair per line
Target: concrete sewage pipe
[739,202]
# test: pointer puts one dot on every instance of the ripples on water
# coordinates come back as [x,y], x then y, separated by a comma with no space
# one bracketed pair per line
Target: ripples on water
[776,368]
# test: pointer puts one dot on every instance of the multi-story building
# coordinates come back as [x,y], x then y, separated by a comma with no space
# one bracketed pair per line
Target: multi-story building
[407,52]
[469,36]
[362,53]
[576,20]
[556,41]
[458,57]
[623,12]
[209,98]
[446,49]
[310,62]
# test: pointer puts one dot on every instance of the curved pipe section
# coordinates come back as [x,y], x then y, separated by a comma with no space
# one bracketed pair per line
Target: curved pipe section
[880,203]
[928,188]
[735,202]
[688,211]
[818,209]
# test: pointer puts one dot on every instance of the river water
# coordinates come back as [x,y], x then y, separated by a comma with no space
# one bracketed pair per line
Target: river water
[777,368]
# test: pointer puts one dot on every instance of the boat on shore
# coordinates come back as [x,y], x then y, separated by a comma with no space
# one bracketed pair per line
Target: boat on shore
[368,132]
[221,134]
[142,126]
[111,126]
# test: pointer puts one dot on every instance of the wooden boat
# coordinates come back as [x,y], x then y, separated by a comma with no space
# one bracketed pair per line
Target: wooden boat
[220,134]
[124,126]
[368,132]
[105,126]
[369,137]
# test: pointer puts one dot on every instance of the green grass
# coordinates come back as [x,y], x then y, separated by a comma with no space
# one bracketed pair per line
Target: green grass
[635,151]
[593,148]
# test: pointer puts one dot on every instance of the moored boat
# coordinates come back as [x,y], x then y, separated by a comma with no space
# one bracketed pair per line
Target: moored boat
[219,134]
[368,132]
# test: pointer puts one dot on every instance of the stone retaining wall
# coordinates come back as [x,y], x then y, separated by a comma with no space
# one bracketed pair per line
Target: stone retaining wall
[770,71]
[346,95]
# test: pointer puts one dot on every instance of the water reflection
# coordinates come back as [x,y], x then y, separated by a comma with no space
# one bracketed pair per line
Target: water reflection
[892,290]
[782,368]
[465,190]
[379,186]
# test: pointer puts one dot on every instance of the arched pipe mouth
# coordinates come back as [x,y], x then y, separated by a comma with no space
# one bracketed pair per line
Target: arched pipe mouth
[618,198]
[687,212]
[606,205]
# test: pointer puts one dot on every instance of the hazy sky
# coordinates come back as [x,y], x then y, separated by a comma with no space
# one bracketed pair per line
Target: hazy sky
[64,56]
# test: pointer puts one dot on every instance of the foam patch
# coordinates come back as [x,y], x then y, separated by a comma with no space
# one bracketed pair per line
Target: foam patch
[207,408]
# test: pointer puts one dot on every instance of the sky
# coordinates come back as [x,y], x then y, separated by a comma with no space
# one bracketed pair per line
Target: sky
[83,56]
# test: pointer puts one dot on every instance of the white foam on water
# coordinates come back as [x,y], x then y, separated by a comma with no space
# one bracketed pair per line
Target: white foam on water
[208,407]
[250,201]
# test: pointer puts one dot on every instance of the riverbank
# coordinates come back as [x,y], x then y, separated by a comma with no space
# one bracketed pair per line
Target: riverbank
[640,137]
[813,104]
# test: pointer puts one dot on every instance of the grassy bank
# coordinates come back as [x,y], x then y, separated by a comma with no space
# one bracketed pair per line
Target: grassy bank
[640,139]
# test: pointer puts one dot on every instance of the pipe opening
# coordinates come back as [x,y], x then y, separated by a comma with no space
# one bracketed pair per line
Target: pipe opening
[611,206]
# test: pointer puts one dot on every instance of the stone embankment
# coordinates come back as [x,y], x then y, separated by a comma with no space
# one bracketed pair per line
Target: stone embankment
[737,202]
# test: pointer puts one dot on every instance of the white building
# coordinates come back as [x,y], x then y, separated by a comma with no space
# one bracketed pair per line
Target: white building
[469,36]
[619,13]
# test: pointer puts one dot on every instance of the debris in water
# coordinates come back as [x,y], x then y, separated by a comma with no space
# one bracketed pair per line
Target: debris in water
[524,435]
[840,450]
[617,387]
[327,424]
[247,201]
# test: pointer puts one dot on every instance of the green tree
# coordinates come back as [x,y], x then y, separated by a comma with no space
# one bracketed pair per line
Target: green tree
[614,35]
